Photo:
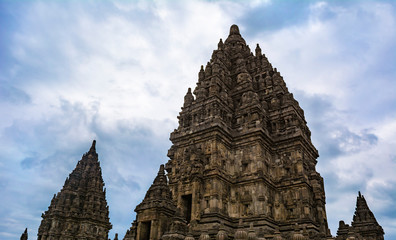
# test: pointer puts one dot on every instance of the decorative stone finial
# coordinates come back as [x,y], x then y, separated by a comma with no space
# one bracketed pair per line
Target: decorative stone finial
[188,98]
[258,50]
[234,30]
[222,235]
[93,149]
[235,40]
[161,178]
[240,234]
[252,233]
[201,74]
[204,235]
[220,44]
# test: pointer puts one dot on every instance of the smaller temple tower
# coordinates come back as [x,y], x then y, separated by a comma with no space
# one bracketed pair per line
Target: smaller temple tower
[79,210]
[364,224]
[154,213]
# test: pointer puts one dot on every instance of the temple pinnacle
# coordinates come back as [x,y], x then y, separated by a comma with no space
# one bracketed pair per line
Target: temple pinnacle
[234,30]
[161,175]
[93,149]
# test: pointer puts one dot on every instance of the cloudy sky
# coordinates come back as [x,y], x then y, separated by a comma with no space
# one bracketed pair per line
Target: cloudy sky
[117,71]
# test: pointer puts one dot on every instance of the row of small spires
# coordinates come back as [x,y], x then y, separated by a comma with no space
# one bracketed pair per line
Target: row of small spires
[258,49]
[220,46]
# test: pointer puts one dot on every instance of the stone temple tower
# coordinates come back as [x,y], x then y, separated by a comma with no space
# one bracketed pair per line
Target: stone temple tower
[242,165]
[79,210]
[364,224]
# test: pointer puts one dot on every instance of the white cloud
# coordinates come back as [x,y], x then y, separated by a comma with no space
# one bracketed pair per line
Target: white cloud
[336,54]
[378,159]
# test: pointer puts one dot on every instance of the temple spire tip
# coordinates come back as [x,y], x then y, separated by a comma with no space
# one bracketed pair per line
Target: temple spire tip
[162,167]
[93,148]
[234,29]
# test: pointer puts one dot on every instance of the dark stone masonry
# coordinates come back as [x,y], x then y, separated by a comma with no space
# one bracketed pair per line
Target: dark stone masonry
[242,166]
[79,210]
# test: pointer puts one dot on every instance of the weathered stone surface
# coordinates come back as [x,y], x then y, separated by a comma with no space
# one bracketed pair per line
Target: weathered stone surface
[79,210]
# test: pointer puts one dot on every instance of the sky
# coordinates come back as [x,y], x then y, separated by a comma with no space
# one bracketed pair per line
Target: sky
[117,71]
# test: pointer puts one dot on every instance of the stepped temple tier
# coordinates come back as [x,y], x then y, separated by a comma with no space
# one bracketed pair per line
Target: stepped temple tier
[241,166]
[79,210]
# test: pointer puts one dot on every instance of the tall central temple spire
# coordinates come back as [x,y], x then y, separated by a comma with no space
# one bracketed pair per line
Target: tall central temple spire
[241,156]
[243,150]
